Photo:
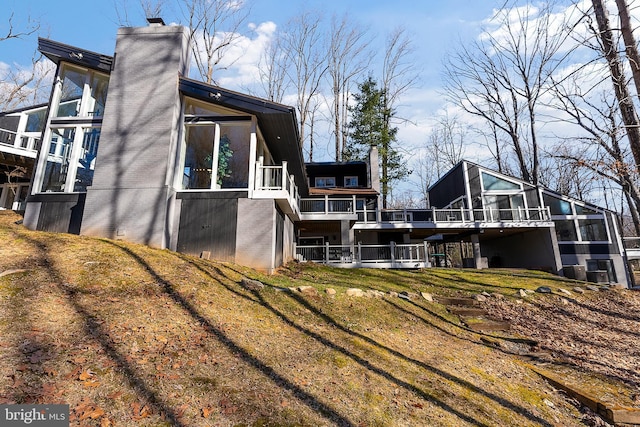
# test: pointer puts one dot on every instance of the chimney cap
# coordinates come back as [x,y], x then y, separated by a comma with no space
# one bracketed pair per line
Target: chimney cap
[155,21]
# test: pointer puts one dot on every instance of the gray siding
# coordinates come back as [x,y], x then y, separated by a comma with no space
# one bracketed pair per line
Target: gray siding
[255,237]
[131,188]
[449,188]
[59,213]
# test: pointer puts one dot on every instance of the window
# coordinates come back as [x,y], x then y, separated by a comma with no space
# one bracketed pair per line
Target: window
[593,230]
[350,181]
[71,160]
[58,159]
[75,82]
[583,210]
[492,182]
[36,120]
[325,181]
[225,146]
[566,231]
[557,206]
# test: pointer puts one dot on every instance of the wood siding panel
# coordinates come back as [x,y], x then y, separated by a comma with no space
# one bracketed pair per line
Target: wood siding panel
[208,225]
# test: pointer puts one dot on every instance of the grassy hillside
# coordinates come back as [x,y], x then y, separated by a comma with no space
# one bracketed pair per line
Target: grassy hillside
[128,335]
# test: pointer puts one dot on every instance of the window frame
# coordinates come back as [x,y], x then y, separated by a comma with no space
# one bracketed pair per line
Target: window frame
[319,178]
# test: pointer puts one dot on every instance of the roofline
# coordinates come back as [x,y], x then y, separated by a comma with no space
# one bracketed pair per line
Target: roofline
[58,52]
[541,187]
[226,97]
[23,109]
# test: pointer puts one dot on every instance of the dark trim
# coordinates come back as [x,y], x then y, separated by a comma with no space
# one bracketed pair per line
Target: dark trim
[55,197]
[190,195]
[196,119]
[60,52]
[80,121]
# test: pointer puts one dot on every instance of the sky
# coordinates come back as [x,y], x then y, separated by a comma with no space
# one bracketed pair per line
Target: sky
[434,27]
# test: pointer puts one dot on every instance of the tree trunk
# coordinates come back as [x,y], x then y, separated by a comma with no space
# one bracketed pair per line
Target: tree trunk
[627,109]
[630,42]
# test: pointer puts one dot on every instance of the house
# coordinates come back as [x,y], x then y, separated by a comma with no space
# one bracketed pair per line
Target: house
[129,148]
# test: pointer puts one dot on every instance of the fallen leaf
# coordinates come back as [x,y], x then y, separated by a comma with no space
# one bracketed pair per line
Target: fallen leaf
[106,422]
[206,411]
[91,383]
[85,375]
[114,395]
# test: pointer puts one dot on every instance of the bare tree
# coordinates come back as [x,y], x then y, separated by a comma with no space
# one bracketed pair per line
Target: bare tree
[214,27]
[503,76]
[625,103]
[347,58]
[272,69]
[631,47]
[306,58]
[21,86]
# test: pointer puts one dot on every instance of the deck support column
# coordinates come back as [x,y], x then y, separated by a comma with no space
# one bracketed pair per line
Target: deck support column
[477,256]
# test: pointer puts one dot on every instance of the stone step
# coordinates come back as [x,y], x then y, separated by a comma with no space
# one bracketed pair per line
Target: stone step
[463,302]
[488,325]
[466,311]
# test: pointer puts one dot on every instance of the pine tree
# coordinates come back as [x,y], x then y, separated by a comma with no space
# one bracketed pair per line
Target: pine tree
[370,126]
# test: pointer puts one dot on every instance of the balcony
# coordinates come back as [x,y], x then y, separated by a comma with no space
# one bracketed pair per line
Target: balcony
[274,182]
[25,145]
[371,256]
[328,208]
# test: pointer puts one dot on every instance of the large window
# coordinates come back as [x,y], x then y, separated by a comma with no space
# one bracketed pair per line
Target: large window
[216,156]
[75,83]
[557,206]
[492,182]
[72,145]
[593,229]
[71,160]
[566,230]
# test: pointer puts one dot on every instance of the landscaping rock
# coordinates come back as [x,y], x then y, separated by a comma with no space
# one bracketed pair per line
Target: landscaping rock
[372,293]
[544,290]
[565,292]
[564,301]
[578,290]
[592,288]
[427,296]
[330,291]
[393,294]
[485,294]
[407,295]
[355,292]
[480,298]
[250,284]
[522,293]
[497,295]
[308,290]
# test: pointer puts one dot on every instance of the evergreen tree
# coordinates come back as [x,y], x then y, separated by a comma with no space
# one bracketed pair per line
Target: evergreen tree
[369,127]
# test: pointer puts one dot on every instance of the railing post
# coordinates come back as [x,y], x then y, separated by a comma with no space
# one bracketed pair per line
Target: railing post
[259,172]
[326,253]
[433,215]
[392,244]
[295,251]
[359,257]
[285,175]
[426,253]
[462,214]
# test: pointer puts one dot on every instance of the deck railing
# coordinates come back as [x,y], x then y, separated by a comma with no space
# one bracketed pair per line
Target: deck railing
[408,255]
[25,142]
[331,206]
[277,180]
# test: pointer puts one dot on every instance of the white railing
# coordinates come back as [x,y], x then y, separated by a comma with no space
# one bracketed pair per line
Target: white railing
[276,179]
[328,205]
[408,255]
[21,141]
[332,205]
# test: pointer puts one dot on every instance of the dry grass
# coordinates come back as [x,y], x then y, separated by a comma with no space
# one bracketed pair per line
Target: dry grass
[128,335]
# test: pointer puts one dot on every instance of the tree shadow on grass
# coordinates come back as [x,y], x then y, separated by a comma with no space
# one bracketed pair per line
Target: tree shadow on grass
[94,329]
[368,365]
[307,398]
